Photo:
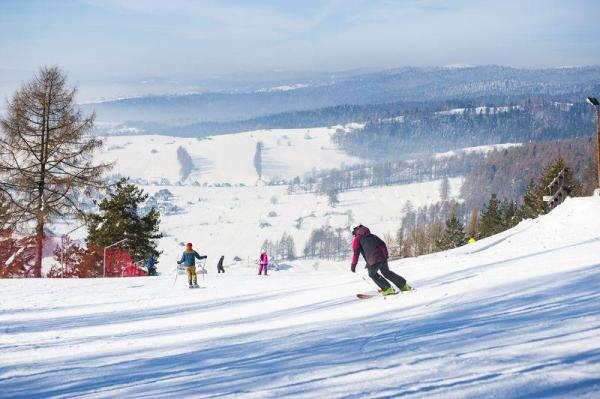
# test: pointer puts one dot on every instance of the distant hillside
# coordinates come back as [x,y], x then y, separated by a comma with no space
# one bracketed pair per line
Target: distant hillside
[423,131]
[398,85]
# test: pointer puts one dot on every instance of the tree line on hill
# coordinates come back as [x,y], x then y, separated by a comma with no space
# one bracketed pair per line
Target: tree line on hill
[509,172]
[449,224]
[505,171]
[426,131]
[478,85]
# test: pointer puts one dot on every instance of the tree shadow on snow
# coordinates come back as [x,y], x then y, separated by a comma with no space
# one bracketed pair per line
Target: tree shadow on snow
[496,342]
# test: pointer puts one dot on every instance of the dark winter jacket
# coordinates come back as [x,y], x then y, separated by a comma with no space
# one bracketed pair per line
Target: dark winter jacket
[189,258]
[150,262]
[371,247]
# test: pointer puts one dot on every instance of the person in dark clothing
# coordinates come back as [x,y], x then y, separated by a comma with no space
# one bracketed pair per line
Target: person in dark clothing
[151,265]
[375,252]
[188,258]
[220,265]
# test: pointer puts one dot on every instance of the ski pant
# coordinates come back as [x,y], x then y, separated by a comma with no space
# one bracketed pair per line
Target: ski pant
[220,269]
[191,273]
[261,268]
[398,281]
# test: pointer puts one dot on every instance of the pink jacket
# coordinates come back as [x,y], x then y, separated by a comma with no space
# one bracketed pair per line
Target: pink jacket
[264,259]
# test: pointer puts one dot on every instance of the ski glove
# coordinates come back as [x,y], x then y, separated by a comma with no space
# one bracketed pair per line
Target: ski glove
[353,268]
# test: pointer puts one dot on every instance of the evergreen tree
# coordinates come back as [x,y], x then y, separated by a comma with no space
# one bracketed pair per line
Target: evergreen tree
[454,234]
[119,219]
[571,185]
[533,203]
[491,218]
[511,214]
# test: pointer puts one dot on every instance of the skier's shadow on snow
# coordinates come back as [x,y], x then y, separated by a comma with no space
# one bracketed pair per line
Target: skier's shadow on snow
[284,361]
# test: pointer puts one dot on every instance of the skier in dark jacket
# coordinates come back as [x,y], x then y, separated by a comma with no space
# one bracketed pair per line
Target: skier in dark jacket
[220,265]
[151,265]
[375,252]
[188,258]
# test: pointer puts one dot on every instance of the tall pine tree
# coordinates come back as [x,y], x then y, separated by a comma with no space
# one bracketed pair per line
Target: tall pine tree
[490,222]
[511,214]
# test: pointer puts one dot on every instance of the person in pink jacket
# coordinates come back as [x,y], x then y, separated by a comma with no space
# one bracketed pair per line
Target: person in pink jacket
[263,262]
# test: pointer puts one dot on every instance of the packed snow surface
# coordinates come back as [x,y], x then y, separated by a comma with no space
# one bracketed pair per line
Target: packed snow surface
[515,315]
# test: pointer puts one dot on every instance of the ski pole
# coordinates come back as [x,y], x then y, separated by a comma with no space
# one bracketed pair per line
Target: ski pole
[176,274]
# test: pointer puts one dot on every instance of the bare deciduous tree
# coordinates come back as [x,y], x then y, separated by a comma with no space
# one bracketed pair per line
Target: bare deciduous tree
[46,155]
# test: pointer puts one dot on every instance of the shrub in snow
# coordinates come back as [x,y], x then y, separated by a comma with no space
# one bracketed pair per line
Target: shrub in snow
[263,224]
[17,255]
[272,214]
[76,261]
[163,194]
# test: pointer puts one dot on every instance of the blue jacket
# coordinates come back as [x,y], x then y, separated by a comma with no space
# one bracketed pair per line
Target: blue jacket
[150,262]
[189,258]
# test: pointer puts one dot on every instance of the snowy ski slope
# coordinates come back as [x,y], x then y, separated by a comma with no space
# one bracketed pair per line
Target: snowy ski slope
[512,316]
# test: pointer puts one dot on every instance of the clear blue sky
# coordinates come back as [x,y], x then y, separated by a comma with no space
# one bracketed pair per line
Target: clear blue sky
[111,41]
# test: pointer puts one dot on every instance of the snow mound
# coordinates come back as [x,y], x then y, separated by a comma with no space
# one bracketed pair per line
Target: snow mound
[514,315]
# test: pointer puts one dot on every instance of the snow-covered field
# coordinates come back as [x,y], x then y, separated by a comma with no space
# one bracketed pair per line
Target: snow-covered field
[226,220]
[226,158]
[481,149]
[515,315]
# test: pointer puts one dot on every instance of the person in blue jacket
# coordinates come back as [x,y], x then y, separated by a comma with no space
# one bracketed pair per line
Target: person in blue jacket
[189,261]
[151,265]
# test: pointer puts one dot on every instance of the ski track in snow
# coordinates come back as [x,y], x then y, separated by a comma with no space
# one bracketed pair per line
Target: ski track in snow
[512,316]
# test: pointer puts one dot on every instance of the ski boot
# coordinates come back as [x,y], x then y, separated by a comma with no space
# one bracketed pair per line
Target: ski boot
[389,291]
[196,284]
[406,287]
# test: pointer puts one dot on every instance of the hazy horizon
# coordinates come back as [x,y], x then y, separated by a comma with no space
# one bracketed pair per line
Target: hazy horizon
[115,48]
